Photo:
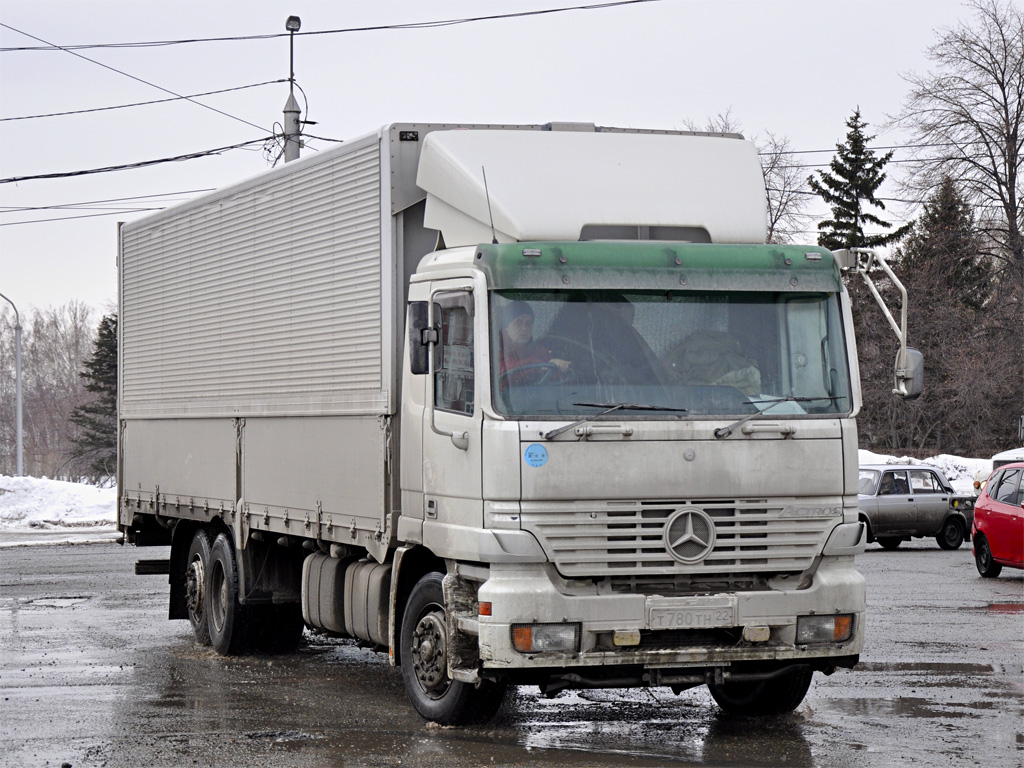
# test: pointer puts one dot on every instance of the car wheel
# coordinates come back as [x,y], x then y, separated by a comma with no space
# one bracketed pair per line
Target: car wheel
[987,567]
[889,542]
[228,619]
[195,586]
[952,535]
[775,696]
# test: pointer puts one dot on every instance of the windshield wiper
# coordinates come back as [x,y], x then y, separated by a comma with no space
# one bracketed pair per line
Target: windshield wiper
[726,431]
[608,408]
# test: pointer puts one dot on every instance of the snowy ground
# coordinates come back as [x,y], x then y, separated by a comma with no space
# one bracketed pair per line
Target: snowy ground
[34,510]
[40,511]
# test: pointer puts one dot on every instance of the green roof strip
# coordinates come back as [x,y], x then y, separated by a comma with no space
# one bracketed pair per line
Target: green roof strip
[655,265]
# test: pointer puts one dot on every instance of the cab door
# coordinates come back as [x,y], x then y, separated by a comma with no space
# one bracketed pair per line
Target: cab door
[452,489]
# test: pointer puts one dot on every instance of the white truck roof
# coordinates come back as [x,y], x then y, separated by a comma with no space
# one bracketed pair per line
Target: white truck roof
[550,185]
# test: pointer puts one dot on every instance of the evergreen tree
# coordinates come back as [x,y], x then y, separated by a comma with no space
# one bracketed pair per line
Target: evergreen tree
[945,248]
[848,188]
[97,419]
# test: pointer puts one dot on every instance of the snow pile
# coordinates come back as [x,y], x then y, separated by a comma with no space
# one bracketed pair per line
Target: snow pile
[34,504]
[960,472]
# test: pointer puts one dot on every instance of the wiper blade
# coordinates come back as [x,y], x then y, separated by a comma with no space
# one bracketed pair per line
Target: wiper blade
[608,408]
[726,431]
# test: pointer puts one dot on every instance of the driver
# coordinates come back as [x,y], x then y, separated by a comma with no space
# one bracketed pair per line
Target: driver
[518,349]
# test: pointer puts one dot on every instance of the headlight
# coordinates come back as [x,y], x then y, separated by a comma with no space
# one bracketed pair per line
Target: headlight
[536,638]
[811,630]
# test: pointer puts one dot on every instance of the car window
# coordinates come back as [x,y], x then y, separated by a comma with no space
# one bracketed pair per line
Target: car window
[923,481]
[894,483]
[1006,489]
[867,482]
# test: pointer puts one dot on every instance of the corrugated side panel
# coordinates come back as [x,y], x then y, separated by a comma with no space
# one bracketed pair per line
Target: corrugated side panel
[264,301]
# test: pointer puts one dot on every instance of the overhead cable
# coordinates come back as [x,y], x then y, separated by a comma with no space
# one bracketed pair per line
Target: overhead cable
[374,28]
[144,103]
[133,77]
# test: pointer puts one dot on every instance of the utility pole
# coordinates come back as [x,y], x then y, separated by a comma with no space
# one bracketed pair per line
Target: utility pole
[17,383]
[291,107]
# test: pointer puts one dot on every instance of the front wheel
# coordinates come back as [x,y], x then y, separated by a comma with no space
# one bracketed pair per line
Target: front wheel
[983,559]
[952,534]
[425,663]
[775,696]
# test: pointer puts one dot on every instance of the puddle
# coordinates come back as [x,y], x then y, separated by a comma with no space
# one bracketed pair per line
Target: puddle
[58,602]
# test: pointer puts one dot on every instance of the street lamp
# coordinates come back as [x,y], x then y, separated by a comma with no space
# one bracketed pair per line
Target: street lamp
[17,381]
[291,107]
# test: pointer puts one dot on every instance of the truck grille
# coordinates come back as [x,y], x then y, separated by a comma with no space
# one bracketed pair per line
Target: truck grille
[623,543]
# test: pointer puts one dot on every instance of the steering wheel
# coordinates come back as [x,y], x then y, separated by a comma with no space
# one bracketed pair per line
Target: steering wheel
[549,370]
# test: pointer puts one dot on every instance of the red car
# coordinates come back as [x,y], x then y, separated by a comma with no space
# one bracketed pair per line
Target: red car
[998,529]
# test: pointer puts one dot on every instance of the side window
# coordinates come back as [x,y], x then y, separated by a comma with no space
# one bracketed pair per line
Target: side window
[923,481]
[894,483]
[1006,490]
[454,359]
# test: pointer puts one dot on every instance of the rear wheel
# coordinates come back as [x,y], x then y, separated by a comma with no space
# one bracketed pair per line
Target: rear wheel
[987,567]
[195,585]
[889,542]
[228,619]
[775,696]
[425,663]
[951,535]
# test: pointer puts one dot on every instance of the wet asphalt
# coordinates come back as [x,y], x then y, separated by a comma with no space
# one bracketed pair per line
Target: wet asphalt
[92,674]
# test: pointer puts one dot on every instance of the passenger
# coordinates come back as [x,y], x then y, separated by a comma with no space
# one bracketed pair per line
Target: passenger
[518,349]
[714,357]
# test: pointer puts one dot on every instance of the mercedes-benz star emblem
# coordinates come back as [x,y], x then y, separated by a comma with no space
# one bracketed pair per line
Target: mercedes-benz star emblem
[690,535]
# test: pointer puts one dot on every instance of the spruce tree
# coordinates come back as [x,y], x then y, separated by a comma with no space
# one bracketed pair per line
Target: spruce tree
[945,248]
[849,188]
[97,419]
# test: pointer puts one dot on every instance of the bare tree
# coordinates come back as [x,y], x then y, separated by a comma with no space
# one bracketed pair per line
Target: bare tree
[55,344]
[786,189]
[966,118]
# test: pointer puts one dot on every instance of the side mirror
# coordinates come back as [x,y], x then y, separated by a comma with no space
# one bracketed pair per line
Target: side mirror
[910,379]
[418,350]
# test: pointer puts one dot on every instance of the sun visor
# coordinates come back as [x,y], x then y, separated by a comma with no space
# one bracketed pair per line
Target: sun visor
[550,185]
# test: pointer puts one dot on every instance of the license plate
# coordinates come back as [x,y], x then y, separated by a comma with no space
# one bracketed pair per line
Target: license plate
[692,617]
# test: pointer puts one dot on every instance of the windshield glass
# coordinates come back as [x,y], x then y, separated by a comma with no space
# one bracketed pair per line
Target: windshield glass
[575,353]
[868,481]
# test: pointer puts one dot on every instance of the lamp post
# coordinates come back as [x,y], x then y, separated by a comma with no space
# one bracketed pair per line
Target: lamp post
[291,107]
[17,382]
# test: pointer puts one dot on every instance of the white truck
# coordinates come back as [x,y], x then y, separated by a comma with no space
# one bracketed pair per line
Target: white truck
[521,405]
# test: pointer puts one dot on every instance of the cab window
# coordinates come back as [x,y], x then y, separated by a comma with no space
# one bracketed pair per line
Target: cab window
[453,361]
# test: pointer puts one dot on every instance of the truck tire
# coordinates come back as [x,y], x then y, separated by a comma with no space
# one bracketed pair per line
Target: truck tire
[952,534]
[987,566]
[889,542]
[424,641]
[227,618]
[196,568]
[775,696]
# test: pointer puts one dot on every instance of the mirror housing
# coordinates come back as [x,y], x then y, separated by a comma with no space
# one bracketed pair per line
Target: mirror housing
[909,376]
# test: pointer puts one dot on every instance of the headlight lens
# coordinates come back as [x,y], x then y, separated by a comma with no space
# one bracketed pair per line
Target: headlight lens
[812,630]
[537,638]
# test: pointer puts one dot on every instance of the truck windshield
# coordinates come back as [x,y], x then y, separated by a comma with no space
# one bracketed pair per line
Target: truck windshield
[569,353]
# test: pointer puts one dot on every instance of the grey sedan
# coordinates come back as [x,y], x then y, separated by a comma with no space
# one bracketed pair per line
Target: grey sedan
[900,501]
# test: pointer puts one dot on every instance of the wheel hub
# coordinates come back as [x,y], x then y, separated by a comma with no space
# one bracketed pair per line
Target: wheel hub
[430,653]
[195,579]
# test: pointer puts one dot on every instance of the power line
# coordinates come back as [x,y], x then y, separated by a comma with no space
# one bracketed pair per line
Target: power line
[80,204]
[133,77]
[83,216]
[127,166]
[144,103]
[375,28]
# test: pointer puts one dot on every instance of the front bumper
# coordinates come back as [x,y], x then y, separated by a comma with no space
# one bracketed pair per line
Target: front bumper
[698,632]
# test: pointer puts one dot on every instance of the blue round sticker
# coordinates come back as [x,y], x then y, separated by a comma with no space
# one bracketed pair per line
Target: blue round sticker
[536,455]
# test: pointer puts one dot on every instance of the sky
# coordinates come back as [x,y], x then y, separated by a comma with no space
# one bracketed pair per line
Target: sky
[795,68]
